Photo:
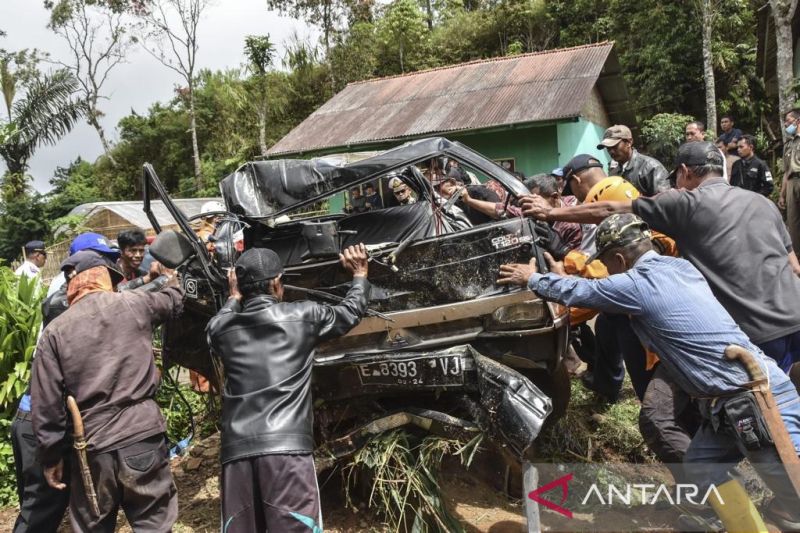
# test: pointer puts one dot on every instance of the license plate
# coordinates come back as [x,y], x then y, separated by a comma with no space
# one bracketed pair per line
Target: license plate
[440,371]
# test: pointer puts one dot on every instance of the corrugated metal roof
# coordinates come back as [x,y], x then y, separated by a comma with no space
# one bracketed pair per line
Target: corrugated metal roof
[528,88]
[133,211]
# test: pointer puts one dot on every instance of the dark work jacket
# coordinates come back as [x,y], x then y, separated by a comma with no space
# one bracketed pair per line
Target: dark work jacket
[100,351]
[752,174]
[267,349]
[644,172]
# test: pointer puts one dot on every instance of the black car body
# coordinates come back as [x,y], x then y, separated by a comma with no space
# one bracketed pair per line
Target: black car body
[443,347]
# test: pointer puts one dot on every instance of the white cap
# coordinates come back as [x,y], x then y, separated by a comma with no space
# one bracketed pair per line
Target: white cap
[212,206]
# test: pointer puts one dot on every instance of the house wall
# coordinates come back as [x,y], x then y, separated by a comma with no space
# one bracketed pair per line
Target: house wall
[580,137]
[534,149]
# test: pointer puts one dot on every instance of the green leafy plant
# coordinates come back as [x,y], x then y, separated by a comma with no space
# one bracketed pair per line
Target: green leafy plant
[404,469]
[663,134]
[20,319]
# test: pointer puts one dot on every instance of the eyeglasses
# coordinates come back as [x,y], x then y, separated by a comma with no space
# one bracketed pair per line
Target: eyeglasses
[401,191]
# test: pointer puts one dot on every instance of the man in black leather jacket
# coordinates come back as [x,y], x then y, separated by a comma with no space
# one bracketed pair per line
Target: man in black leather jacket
[645,173]
[267,349]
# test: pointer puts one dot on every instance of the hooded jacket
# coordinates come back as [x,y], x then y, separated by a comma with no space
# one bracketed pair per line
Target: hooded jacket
[267,349]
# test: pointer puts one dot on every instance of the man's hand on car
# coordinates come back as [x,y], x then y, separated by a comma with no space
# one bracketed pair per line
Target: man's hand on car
[534,206]
[516,273]
[355,260]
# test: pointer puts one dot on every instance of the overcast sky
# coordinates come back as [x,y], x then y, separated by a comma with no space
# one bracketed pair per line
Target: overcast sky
[142,80]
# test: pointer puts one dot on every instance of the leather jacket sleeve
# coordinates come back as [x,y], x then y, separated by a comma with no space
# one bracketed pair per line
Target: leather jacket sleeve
[337,320]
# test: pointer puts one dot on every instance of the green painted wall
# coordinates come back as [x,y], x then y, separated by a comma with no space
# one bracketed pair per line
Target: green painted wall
[534,149]
[580,137]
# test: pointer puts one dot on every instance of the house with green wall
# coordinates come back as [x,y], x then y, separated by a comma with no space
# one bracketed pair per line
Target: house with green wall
[530,112]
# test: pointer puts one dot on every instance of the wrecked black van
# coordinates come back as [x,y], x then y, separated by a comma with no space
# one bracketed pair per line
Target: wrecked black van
[442,347]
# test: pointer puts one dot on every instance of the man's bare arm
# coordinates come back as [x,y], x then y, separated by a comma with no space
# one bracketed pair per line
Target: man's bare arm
[591,213]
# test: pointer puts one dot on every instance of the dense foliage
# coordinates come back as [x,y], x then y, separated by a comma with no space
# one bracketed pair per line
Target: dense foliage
[243,110]
[20,318]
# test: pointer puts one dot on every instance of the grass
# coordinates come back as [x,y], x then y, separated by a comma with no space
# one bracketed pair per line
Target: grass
[404,470]
[593,431]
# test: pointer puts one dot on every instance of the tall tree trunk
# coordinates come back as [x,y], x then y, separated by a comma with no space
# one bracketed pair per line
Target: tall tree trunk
[429,8]
[93,122]
[262,128]
[782,13]
[708,69]
[402,67]
[198,177]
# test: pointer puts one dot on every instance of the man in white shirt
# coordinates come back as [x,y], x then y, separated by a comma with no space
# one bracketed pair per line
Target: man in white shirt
[35,258]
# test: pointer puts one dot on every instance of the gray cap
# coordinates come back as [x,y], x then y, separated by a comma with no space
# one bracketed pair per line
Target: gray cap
[614,135]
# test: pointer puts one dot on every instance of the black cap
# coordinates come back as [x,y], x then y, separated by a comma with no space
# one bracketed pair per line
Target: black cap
[34,246]
[86,259]
[576,164]
[696,153]
[258,264]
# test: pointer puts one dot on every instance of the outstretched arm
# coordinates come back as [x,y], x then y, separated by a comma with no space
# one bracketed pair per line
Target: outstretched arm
[591,213]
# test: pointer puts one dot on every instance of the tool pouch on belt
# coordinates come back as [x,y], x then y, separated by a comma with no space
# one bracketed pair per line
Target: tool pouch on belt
[742,415]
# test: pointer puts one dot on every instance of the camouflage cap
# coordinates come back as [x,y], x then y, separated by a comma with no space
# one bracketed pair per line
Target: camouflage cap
[619,230]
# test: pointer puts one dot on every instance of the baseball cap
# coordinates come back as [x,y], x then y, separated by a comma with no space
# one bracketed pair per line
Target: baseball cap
[696,153]
[258,264]
[86,259]
[557,172]
[614,135]
[619,230]
[93,241]
[576,164]
[34,246]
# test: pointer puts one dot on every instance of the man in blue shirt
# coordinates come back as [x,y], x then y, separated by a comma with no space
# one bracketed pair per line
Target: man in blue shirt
[675,314]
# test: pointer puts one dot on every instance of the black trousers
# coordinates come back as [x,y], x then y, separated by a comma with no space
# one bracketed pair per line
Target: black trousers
[668,420]
[275,493]
[617,349]
[41,507]
[136,478]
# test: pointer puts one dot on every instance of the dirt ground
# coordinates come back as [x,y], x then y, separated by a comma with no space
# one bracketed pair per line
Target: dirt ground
[480,507]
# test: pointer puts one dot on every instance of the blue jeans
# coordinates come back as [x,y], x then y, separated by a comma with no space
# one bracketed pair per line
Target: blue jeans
[711,455]
[785,350]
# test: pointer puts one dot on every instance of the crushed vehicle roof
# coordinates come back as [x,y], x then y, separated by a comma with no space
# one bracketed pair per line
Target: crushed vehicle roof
[265,189]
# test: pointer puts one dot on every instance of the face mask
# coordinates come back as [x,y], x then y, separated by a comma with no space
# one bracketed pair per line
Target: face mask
[791,129]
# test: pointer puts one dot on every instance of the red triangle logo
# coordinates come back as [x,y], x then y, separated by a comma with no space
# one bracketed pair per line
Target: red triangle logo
[562,482]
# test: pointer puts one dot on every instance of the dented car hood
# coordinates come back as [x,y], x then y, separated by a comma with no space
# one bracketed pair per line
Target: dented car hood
[267,189]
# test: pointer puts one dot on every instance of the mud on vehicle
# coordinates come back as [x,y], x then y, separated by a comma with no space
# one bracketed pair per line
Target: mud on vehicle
[442,346]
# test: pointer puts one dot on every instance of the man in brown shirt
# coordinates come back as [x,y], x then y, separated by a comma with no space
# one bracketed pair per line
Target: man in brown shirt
[100,352]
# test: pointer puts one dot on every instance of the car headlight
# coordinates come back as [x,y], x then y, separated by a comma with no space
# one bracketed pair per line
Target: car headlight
[523,315]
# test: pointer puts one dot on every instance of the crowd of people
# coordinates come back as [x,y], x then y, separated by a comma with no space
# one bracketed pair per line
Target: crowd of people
[689,273]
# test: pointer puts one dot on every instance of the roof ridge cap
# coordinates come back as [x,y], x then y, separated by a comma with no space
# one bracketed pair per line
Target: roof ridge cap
[478,61]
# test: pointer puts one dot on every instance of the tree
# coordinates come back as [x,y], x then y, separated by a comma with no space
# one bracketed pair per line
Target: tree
[98,38]
[708,11]
[782,14]
[404,34]
[46,113]
[176,48]
[260,54]
[73,185]
[17,70]
[326,14]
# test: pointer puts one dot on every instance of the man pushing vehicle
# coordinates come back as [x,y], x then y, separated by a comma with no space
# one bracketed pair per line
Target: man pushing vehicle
[675,314]
[267,348]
